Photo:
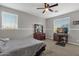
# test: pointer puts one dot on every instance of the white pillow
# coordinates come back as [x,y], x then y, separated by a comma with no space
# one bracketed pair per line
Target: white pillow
[4,39]
[1,43]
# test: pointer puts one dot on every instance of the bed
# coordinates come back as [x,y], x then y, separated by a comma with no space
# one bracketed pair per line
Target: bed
[23,47]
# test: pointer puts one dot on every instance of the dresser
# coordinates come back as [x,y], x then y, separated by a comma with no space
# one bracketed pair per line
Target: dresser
[38,32]
[39,36]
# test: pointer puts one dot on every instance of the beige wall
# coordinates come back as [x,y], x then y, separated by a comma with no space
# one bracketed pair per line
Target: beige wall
[25,22]
[74,29]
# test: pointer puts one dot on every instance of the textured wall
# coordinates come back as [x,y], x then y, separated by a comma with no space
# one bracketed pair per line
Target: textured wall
[25,24]
[74,29]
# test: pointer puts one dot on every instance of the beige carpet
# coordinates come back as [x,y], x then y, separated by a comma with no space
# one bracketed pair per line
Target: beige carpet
[55,50]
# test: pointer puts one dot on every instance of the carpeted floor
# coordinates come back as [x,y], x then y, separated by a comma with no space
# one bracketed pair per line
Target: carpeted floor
[55,50]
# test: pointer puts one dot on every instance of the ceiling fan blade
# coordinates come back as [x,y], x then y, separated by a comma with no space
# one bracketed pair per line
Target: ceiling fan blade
[43,11]
[40,8]
[45,5]
[51,10]
[53,5]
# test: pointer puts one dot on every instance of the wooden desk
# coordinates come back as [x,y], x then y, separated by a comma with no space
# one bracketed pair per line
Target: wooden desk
[58,37]
[61,36]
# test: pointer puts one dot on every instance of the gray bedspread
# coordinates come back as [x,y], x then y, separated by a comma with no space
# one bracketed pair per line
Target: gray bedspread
[22,47]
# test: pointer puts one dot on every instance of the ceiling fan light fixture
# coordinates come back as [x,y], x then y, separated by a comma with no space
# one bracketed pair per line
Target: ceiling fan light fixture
[46,9]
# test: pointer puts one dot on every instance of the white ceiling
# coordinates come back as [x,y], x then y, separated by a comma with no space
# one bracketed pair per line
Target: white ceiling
[31,8]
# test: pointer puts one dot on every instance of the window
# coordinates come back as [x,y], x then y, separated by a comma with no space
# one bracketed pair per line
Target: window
[62,23]
[9,20]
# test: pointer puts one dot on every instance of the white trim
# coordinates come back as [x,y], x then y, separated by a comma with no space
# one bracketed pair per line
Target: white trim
[73,43]
[74,29]
[9,14]
[49,38]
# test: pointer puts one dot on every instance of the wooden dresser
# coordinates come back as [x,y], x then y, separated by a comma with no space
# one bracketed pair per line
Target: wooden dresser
[39,36]
[38,32]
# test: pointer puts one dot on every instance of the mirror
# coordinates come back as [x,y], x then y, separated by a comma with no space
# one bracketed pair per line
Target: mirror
[38,28]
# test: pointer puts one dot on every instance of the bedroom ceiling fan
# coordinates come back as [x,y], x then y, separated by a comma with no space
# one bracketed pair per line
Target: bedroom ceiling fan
[48,7]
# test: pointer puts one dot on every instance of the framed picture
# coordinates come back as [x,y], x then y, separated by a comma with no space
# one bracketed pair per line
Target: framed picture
[76,22]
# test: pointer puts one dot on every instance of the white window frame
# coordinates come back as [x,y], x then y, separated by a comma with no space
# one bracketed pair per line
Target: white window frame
[63,18]
[9,14]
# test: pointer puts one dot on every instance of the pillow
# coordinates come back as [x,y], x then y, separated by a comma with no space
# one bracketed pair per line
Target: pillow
[3,41]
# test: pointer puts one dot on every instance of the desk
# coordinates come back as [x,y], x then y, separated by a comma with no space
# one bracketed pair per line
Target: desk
[61,37]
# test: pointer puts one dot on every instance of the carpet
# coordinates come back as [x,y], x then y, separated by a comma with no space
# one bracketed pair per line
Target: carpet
[55,50]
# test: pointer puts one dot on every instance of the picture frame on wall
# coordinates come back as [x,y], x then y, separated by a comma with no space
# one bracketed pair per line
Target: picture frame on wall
[76,22]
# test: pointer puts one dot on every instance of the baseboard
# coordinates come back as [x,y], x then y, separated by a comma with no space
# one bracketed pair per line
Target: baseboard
[73,43]
[49,38]
[68,42]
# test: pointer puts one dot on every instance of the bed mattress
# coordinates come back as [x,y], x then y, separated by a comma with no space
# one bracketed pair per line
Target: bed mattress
[22,47]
